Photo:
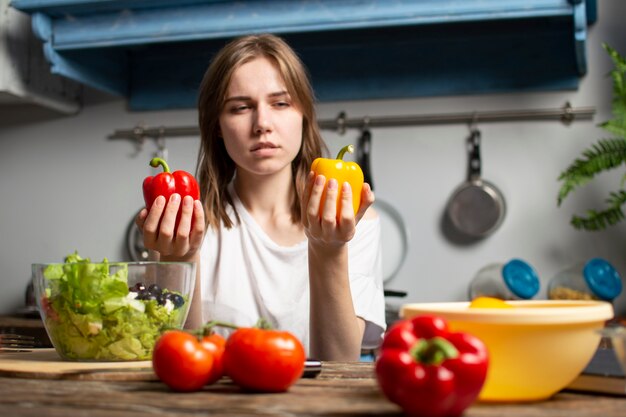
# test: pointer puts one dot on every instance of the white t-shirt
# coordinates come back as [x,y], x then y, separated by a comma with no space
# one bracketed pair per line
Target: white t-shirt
[245,275]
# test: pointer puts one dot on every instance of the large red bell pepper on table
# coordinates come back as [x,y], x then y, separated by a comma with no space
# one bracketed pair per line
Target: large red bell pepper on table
[428,370]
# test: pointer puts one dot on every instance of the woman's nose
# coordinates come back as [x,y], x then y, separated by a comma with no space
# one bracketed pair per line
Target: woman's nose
[262,123]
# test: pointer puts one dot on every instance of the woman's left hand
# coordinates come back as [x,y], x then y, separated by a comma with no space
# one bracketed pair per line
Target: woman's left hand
[329,227]
[160,233]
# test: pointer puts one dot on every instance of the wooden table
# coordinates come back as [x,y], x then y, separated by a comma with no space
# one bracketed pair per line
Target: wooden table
[342,389]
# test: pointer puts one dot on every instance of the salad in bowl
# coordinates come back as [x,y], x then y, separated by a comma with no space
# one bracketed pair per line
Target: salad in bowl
[111,311]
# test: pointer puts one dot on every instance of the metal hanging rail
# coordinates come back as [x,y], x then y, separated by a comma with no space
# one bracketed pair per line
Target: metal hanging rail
[567,114]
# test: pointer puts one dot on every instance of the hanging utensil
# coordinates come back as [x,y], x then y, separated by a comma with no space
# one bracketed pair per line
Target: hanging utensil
[477,207]
[160,142]
[394,232]
[134,242]
[363,152]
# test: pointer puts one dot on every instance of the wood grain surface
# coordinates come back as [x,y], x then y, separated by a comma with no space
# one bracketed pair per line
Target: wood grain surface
[341,390]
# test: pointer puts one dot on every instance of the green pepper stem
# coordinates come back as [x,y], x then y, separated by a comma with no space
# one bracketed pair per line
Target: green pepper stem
[342,151]
[433,351]
[155,162]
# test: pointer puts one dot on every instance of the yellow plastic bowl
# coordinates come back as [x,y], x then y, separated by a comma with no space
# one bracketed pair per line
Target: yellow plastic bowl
[535,349]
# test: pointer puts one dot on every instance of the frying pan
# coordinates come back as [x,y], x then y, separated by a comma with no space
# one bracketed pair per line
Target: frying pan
[476,208]
[134,242]
[394,233]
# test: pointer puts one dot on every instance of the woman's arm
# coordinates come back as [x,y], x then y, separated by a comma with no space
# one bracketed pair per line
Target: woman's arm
[176,244]
[335,330]
[194,318]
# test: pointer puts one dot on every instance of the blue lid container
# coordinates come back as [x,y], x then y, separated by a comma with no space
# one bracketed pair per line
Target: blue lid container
[603,280]
[520,278]
[595,279]
[513,280]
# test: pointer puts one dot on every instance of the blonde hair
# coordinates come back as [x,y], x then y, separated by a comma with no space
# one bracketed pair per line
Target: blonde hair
[215,169]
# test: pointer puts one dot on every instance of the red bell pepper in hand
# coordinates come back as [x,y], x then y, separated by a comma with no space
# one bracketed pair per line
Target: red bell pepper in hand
[167,183]
[428,370]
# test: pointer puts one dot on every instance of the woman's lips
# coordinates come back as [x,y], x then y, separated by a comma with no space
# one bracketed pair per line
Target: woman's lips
[263,145]
[264,149]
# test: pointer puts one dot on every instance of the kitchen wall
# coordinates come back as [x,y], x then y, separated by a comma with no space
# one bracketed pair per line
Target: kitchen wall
[65,186]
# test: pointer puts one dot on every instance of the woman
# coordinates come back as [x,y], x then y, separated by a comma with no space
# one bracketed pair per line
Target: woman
[261,247]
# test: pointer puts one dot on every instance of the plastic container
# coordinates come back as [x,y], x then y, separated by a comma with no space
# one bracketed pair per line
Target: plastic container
[514,280]
[595,279]
[535,349]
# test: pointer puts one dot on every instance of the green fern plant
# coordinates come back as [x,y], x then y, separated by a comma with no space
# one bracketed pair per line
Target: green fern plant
[604,155]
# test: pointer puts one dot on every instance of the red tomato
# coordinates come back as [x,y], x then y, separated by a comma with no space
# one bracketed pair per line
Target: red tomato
[215,344]
[264,360]
[181,362]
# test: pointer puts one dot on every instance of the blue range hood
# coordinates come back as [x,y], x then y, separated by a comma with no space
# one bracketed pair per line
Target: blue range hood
[154,52]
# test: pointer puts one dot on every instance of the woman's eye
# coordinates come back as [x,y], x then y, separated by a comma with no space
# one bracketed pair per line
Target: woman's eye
[281,104]
[239,108]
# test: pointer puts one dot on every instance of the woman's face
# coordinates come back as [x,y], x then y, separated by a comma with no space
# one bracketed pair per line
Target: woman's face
[260,125]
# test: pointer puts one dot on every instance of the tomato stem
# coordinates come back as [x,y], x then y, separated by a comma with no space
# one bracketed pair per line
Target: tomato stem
[263,323]
[208,327]
[342,151]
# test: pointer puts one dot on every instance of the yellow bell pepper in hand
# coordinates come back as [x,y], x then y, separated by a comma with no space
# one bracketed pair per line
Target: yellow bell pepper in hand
[341,171]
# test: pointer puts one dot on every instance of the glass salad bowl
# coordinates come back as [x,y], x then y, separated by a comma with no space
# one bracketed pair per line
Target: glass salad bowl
[111,311]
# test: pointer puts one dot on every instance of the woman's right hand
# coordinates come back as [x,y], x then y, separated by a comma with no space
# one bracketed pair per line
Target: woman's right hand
[159,227]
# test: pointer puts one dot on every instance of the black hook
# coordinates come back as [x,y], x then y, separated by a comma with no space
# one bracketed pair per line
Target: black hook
[363,152]
[341,123]
[473,148]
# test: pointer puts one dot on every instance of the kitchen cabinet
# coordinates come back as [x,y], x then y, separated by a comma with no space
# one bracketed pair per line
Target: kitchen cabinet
[154,53]
[25,76]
